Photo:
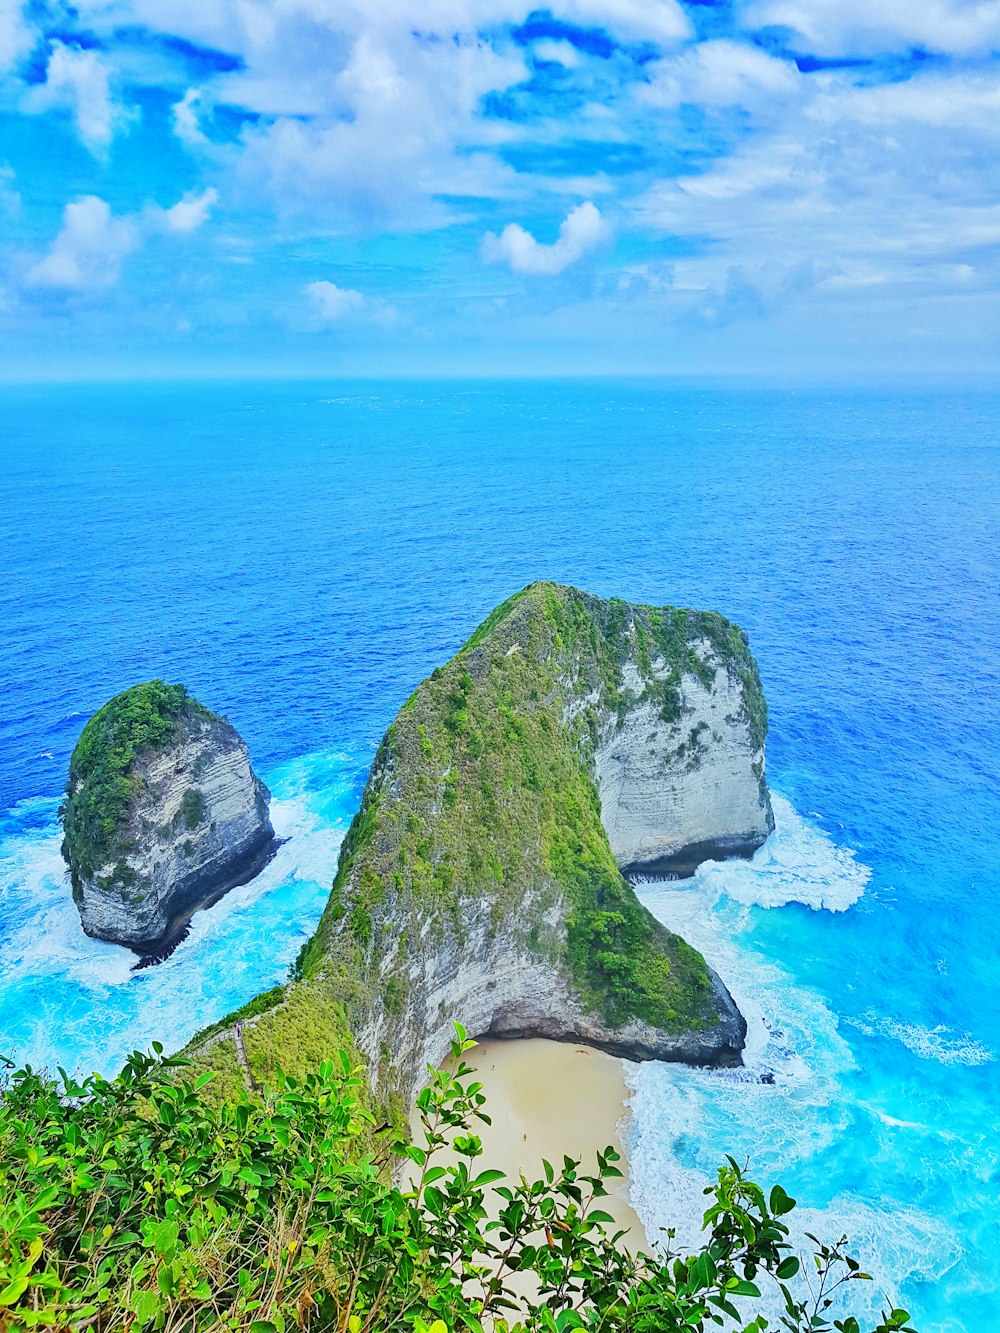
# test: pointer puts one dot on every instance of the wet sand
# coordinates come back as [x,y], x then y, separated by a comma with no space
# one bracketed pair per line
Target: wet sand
[551,1099]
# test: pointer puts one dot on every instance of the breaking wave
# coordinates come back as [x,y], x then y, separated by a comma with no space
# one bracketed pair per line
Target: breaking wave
[799,863]
[936,1043]
[74,1001]
[791,1112]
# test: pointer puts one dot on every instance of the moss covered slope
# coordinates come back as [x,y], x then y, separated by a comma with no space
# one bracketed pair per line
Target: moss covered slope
[102,777]
[477,882]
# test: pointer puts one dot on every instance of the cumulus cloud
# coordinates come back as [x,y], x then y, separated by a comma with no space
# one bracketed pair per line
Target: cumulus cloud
[656,20]
[189,213]
[762,184]
[397,127]
[250,27]
[721,73]
[80,81]
[185,119]
[15,36]
[557,52]
[581,231]
[850,27]
[87,253]
[374,112]
[330,303]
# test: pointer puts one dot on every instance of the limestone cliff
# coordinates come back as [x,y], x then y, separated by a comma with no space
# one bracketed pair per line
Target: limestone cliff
[571,738]
[163,814]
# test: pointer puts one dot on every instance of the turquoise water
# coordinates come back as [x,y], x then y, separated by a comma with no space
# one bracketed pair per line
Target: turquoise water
[301,555]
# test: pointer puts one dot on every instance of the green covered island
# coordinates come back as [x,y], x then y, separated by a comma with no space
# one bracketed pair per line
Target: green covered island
[163,815]
[570,740]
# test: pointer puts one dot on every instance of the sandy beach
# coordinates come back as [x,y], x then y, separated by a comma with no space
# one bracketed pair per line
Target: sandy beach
[548,1099]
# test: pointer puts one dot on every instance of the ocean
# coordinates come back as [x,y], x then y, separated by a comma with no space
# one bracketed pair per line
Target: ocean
[300,555]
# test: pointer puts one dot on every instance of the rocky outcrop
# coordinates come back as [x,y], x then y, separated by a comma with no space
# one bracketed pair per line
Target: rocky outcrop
[679,790]
[570,740]
[163,815]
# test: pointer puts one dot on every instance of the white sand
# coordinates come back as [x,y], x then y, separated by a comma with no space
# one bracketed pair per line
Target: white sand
[550,1099]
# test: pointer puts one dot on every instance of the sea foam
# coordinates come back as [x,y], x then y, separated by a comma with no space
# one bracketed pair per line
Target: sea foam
[799,863]
[787,1112]
[73,1001]
[930,1043]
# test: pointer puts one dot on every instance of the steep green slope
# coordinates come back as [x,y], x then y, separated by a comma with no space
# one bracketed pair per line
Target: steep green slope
[478,859]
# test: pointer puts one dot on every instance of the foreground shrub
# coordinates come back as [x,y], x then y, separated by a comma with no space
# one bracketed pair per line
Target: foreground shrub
[138,1203]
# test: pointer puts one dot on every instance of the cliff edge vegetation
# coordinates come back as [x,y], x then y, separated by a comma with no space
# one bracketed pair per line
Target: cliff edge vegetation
[478,882]
[140,1204]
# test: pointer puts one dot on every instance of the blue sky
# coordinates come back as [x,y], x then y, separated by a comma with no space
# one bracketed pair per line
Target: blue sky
[792,188]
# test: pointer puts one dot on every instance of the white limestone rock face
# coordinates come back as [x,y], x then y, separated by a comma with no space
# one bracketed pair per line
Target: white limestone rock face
[676,793]
[195,826]
[485,977]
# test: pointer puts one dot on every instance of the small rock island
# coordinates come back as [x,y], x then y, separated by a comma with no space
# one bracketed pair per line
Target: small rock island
[163,815]
[571,743]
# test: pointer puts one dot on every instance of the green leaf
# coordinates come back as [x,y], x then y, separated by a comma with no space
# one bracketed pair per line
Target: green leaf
[164,1237]
[487,1178]
[14,1290]
[780,1202]
[145,1305]
[740,1287]
[787,1268]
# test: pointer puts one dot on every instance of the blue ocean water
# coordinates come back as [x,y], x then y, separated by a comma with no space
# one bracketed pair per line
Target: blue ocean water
[300,555]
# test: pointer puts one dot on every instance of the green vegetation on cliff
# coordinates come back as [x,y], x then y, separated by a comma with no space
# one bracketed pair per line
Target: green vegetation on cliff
[483,789]
[141,1204]
[491,795]
[101,782]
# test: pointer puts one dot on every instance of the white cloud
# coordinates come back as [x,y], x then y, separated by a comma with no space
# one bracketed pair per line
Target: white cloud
[87,253]
[837,27]
[557,53]
[721,73]
[81,82]
[370,114]
[656,20]
[969,102]
[399,124]
[185,119]
[15,36]
[330,303]
[891,187]
[10,200]
[581,232]
[189,213]
[251,26]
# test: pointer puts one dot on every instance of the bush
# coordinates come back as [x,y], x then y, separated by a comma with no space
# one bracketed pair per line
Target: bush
[193,807]
[136,1203]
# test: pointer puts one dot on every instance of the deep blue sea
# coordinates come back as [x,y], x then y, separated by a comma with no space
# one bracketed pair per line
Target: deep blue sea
[301,555]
